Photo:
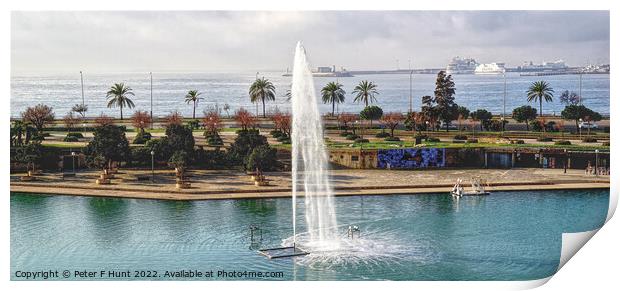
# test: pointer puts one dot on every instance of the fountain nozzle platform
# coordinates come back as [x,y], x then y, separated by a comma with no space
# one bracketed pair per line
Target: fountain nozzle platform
[283,252]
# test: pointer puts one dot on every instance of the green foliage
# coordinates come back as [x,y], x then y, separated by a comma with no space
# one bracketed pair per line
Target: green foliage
[193,124]
[446,109]
[365,92]
[432,139]
[361,140]
[589,139]
[517,141]
[371,113]
[263,158]
[563,142]
[142,138]
[524,114]
[333,93]
[180,138]
[483,116]
[351,136]
[109,143]
[118,96]
[472,140]
[382,134]
[245,143]
[214,140]
[161,147]
[392,138]
[576,112]
[69,138]
[605,144]
[75,134]
[460,137]
[179,159]
[30,154]
[141,156]
[544,139]
[262,90]
[540,91]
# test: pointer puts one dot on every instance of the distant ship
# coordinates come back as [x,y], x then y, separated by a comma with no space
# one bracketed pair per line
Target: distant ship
[490,69]
[460,65]
[325,72]
[558,65]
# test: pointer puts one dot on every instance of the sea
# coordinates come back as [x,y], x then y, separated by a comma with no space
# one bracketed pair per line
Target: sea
[62,91]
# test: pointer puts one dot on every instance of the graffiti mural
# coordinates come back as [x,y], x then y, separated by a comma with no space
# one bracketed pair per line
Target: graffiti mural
[411,158]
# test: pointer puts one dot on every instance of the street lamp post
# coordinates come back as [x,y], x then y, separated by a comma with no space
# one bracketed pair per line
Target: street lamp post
[82,82]
[596,162]
[73,160]
[504,109]
[152,166]
[565,160]
[151,77]
[410,90]
[579,125]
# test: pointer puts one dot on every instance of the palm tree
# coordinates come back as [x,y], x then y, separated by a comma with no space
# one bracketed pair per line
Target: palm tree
[192,96]
[262,89]
[333,93]
[538,91]
[366,92]
[119,96]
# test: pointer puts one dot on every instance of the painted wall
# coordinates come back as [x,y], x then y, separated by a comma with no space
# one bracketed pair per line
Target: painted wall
[411,158]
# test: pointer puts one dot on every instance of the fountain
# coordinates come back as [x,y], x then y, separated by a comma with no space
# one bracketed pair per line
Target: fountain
[309,159]
[324,242]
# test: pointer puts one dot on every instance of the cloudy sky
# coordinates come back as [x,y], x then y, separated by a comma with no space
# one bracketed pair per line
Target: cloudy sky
[219,41]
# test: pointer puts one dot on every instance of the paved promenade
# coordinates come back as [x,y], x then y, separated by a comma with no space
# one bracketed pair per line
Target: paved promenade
[232,184]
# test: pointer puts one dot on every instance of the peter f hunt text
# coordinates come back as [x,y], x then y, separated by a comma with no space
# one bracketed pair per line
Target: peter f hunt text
[145,274]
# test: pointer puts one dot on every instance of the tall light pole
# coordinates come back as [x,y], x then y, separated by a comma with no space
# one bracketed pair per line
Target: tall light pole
[410,90]
[580,75]
[73,160]
[504,110]
[82,82]
[596,163]
[151,77]
[152,166]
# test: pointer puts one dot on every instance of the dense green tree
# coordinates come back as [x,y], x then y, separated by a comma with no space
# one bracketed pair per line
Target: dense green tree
[180,138]
[524,114]
[365,92]
[118,96]
[462,114]
[333,93]
[429,110]
[262,89]
[445,107]
[481,115]
[108,144]
[371,113]
[263,158]
[245,142]
[538,92]
[30,154]
[193,96]
[576,112]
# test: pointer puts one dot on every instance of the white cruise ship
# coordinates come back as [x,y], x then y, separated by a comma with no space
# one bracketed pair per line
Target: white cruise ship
[460,65]
[490,69]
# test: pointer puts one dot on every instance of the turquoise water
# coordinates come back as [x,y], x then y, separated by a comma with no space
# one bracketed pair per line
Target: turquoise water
[504,236]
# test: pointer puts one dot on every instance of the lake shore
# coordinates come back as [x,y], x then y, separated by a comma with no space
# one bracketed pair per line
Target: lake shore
[211,184]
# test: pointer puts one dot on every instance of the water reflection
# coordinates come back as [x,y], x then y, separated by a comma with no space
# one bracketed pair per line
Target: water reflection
[108,219]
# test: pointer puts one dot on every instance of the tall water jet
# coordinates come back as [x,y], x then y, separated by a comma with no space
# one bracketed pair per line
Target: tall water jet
[310,160]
